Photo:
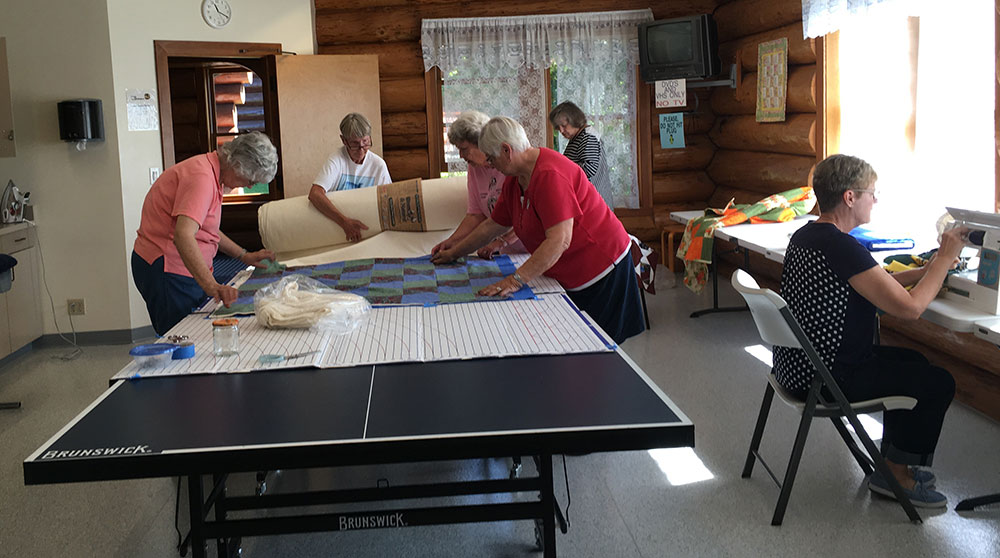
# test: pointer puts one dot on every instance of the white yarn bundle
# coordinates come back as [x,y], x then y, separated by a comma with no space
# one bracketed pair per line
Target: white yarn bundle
[298,301]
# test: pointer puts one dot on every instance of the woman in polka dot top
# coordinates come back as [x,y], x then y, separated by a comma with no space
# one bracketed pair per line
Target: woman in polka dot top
[833,287]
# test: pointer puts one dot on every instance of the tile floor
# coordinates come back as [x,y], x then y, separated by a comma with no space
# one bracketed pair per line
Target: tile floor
[623,504]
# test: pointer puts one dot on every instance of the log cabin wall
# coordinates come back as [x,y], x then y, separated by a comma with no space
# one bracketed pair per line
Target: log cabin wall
[756,159]
[391,29]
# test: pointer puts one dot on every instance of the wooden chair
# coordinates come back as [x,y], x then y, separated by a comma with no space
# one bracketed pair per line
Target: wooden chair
[777,326]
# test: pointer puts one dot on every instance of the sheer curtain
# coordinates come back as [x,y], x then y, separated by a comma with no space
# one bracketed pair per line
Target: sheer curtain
[497,65]
[820,17]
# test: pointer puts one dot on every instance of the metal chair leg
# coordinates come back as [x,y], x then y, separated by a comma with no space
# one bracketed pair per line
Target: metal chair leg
[796,457]
[863,459]
[758,431]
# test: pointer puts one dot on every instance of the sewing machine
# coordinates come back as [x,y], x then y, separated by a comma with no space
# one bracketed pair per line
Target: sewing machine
[978,287]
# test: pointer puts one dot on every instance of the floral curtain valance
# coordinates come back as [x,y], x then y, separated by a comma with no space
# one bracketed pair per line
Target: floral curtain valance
[532,41]
[820,17]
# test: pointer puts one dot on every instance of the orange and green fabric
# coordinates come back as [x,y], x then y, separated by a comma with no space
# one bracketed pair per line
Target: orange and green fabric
[699,234]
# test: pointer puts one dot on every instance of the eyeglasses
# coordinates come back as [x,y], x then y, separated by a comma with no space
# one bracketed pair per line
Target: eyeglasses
[363,143]
[874,192]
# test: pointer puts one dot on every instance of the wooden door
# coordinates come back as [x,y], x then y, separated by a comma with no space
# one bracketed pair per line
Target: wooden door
[314,94]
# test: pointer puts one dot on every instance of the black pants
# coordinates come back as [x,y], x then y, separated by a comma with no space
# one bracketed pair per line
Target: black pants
[909,436]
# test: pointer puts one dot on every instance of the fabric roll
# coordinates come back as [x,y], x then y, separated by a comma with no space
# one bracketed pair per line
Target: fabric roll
[294,225]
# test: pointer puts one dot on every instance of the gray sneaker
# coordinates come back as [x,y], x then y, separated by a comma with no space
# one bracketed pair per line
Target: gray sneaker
[923,476]
[922,496]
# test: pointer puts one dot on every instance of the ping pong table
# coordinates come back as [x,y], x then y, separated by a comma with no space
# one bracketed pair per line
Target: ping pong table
[202,426]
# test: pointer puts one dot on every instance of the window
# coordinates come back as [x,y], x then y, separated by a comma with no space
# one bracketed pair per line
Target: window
[237,108]
[917,102]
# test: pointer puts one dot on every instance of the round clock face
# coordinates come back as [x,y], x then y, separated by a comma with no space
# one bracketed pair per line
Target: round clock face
[216,13]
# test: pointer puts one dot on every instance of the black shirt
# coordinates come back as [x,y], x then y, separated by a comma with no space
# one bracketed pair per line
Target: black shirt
[839,322]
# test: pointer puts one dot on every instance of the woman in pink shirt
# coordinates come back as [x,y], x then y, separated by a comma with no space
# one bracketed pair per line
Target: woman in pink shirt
[485,184]
[572,235]
[179,232]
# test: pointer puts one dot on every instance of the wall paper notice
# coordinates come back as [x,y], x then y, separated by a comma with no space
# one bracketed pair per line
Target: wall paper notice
[671,93]
[142,110]
[772,80]
[672,130]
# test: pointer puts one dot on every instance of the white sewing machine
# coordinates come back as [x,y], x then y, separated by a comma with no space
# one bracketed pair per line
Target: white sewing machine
[978,287]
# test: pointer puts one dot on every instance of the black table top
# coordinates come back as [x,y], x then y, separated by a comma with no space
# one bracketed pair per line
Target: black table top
[286,419]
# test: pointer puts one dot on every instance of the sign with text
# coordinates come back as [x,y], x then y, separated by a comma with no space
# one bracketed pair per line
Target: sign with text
[671,93]
[672,130]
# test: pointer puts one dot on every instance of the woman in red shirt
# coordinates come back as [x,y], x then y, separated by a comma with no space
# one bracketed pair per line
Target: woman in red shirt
[564,223]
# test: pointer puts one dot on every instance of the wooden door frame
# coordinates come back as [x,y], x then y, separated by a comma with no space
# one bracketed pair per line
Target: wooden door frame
[163,50]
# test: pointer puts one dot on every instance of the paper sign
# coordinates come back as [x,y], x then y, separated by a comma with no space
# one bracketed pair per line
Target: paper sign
[141,107]
[672,130]
[671,93]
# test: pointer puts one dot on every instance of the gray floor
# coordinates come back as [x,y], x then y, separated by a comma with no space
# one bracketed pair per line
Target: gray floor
[622,504]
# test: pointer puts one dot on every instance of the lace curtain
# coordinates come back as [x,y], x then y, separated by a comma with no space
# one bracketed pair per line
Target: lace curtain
[820,17]
[497,65]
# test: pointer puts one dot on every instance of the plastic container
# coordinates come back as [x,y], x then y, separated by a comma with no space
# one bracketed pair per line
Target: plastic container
[185,349]
[226,337]
[153,355]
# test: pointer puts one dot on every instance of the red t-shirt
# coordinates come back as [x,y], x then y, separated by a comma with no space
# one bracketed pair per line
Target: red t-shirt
[559,190]
[192,188]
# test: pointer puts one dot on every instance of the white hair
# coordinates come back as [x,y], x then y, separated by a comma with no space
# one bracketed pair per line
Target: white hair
[251,156]
[467,127]
[499,130]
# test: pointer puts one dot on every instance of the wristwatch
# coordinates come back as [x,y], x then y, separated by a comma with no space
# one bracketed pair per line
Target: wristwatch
[517,277]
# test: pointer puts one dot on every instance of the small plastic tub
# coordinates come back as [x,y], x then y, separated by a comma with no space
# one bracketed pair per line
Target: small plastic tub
[153,355]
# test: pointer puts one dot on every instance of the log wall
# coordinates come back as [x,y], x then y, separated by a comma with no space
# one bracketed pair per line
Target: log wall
[391,29]
[755,159]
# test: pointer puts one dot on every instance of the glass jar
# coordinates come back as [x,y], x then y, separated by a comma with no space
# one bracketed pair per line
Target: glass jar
[226,337]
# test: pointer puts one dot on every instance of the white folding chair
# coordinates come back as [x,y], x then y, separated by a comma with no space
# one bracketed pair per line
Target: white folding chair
[778,326]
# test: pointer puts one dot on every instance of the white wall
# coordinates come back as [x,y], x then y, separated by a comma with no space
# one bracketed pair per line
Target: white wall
[88,203]
[134,24]
[58,51]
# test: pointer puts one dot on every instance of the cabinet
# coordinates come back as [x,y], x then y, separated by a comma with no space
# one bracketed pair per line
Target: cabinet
[20,307]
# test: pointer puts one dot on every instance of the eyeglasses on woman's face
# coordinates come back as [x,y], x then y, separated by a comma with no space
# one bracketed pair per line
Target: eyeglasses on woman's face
[355,144]
[873,191]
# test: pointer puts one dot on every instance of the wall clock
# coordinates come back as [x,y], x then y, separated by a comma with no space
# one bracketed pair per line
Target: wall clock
[217,13]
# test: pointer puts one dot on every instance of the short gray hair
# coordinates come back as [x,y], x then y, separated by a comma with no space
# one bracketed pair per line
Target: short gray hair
[499,130]
[355,125]
[467,127]
[837,174]
[251,156]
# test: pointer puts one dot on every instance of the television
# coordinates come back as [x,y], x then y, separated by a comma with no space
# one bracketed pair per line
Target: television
[684,47]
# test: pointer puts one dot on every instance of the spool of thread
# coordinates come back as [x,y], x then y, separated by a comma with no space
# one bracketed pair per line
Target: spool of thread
[185,349]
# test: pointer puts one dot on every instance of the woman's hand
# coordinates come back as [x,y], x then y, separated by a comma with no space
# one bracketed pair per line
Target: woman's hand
[443,245]
[443,256]
[504,287]
[255,258]
[352,229]
[952,242]
[223,293]
[486,252]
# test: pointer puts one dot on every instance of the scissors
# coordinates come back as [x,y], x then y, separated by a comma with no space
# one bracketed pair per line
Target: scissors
[271,359]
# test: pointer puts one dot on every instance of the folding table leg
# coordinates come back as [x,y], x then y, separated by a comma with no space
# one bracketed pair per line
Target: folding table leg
[548,505]
[196,505]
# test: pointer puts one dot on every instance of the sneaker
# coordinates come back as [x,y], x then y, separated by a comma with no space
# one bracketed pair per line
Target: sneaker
[921,495]
[923,476]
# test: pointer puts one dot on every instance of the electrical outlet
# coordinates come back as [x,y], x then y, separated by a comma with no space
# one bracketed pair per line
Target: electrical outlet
[154,173]
[75,307]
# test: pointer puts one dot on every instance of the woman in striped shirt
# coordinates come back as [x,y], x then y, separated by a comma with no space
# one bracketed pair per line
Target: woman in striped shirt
[583,148]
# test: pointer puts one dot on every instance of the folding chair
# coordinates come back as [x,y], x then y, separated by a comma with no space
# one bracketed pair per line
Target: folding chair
[777,326]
